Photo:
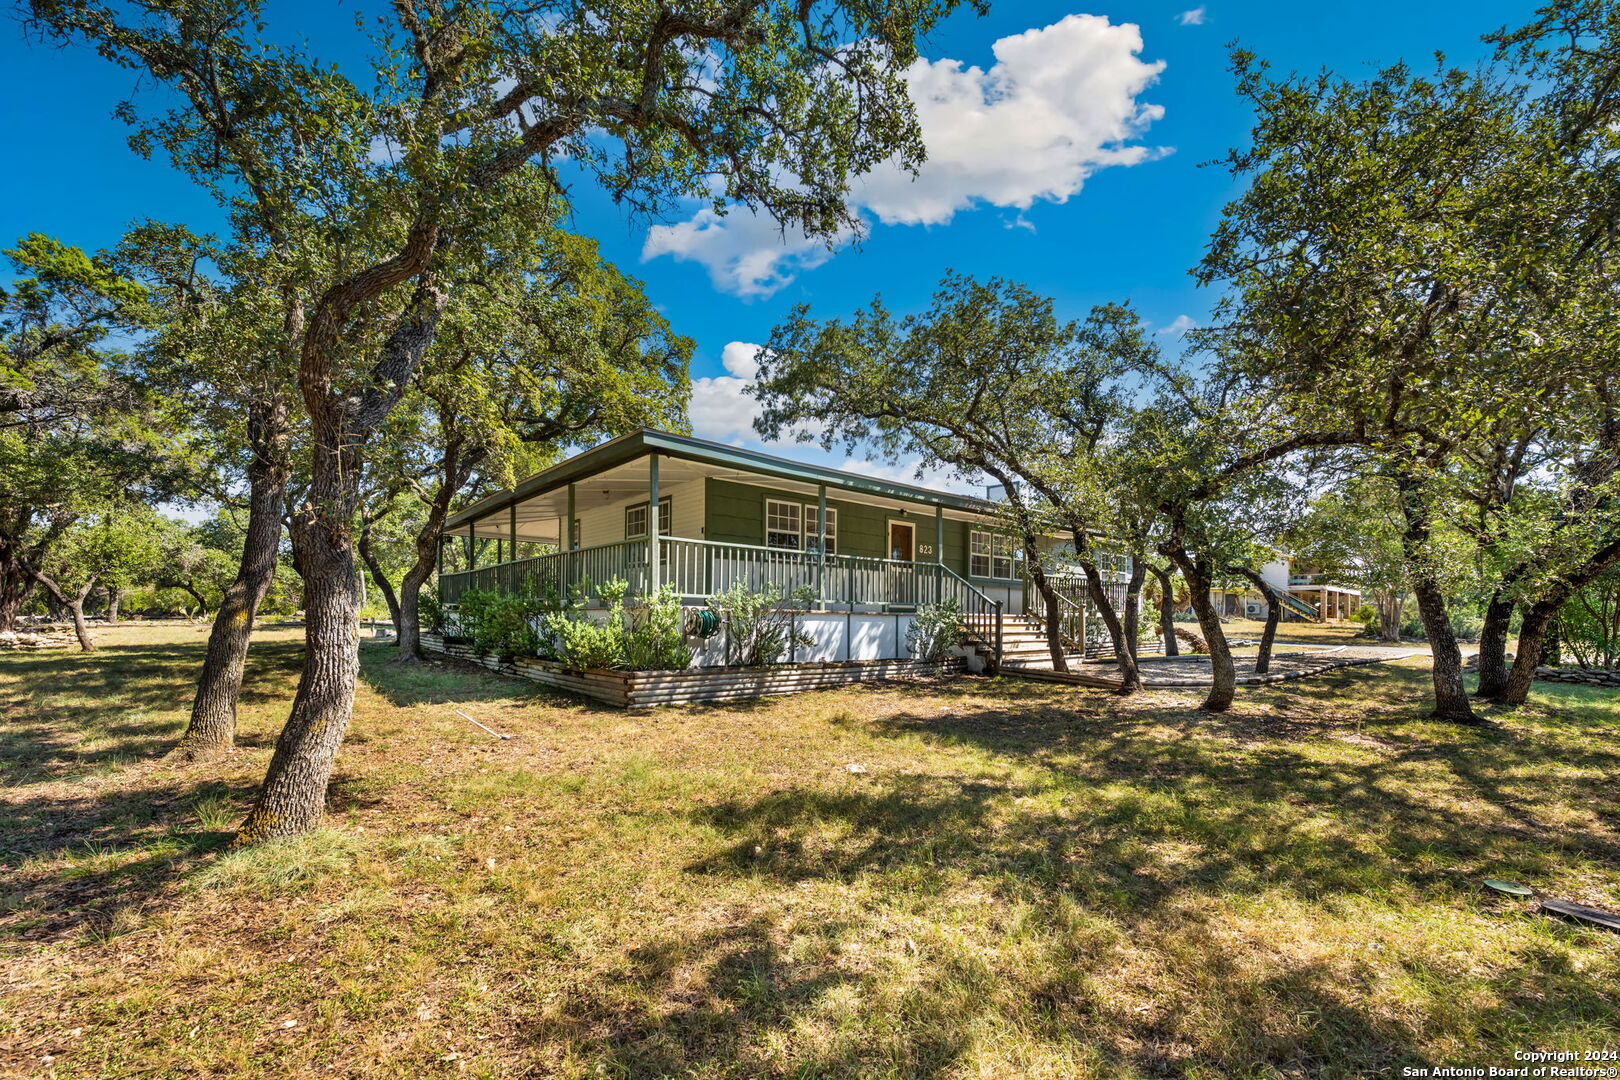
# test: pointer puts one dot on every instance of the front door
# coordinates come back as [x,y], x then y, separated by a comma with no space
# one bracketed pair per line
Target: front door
[901,535]
[902,574]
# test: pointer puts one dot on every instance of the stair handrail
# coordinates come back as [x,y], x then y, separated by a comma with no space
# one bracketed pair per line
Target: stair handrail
[981,615]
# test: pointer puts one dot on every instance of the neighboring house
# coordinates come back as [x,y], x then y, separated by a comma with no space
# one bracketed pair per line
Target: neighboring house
[657,509]
[1311,596]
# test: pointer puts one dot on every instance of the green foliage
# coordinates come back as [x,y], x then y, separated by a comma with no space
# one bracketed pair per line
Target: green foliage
[655,634]
[759,625]
[431,610]
[648,636]
[1589,625]
[499,624]
[934,631]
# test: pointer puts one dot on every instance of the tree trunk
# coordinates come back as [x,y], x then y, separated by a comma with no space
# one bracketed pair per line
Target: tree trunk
[1533,634]
[14,593]
[1167,610]
[1390,606]
[1450,696]
[409,624]
[1493,673]
[212,731]
[74,605]
[202,602]
[1130,678]
[293,797]
[1539,629]
[17,583]
[114,595]
[369,556]
[1049,599]
[1268,636]
[1200,578]
[294,794]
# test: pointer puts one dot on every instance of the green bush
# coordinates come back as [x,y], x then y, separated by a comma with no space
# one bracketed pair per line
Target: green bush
[635,637]
[655,633]
[935,630]
[430,611]
[760,629]
[498,624]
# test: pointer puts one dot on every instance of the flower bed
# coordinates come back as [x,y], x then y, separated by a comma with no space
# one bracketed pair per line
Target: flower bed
[642,689]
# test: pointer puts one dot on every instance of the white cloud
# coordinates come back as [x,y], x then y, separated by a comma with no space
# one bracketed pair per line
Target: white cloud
[1179,325]
[722,412]
[746,254]
[719,409]
[1059,103]
[1195,17]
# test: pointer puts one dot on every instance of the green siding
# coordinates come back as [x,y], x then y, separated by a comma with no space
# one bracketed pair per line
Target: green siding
[735,514]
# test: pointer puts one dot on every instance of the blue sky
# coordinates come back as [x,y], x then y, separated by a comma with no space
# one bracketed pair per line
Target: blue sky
[1069,145]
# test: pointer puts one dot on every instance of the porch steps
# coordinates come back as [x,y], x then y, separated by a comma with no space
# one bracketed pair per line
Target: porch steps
[1023,646]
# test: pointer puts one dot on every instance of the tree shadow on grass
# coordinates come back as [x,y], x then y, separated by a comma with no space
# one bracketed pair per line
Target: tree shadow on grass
[1140,828]
[449,681]
[119,703]
[85,862]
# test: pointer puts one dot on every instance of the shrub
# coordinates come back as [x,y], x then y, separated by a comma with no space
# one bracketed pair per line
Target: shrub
[759,625]
[430,610]
[935,630]
[655,634]
[498,624]
[637,637]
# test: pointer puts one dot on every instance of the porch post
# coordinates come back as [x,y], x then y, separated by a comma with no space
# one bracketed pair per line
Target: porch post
[821,545]
[568,533]
[566,543]
[652,523]
[512,521]
[472,549]
[441,554]
[939,554]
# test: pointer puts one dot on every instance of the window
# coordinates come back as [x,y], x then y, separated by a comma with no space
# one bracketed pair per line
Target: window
[635,519]
[812,530]
[991,555]
[784,525]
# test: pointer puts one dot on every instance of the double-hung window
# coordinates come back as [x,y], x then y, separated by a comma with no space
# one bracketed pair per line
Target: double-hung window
[635,519]
[784,525]
[812,531]
[990,555]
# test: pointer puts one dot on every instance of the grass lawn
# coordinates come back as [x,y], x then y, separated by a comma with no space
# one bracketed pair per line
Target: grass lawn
[963,879]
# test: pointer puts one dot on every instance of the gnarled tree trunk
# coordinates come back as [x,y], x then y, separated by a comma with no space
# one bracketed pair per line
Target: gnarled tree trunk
[1167,610]
[1540,617]
[379,577]
[1200,578]
[293,797]
[1450,696]
[1268,636]
[1493,672]
[211,732]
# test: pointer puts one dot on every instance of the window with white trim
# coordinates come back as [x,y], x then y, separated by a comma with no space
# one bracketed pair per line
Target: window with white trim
[990,555]
[635,519]
[812,530]
[784,525]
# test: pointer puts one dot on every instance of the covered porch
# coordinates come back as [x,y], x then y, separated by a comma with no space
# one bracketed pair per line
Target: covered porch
[657,510]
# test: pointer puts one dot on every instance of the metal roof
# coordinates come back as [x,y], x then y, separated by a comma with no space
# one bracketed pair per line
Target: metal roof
[644,441]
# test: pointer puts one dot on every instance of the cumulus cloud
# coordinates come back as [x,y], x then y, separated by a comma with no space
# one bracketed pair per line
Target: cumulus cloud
[746,254]
[1179,326]
[1195,17]
[719,409]
[1059,103]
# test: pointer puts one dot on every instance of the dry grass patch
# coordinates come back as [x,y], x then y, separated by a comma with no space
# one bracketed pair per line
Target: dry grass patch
[1016,880]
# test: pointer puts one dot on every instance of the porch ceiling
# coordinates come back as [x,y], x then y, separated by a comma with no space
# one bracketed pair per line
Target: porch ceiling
[539,516]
